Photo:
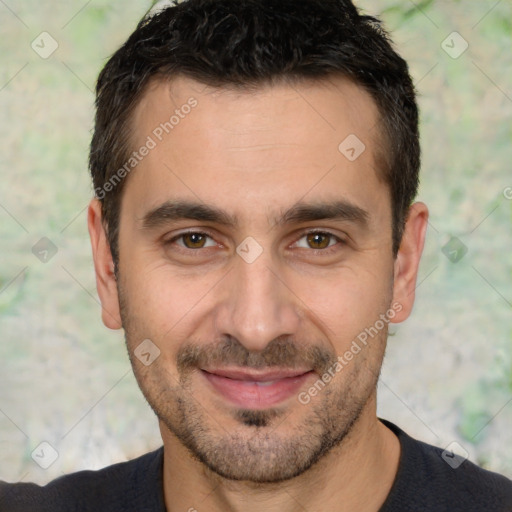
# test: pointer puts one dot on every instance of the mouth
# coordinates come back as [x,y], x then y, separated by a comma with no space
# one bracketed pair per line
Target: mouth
[256,390]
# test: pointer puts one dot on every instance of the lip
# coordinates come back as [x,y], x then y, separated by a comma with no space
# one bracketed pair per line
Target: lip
[237,374]
[256,390]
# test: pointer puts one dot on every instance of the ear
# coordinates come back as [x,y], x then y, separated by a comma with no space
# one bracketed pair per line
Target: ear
[103,267]
[408,260]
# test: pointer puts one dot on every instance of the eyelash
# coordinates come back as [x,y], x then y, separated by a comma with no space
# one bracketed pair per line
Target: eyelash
[328,250]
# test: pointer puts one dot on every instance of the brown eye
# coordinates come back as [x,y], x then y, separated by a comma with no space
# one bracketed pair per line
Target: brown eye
[194,240]
[318,240]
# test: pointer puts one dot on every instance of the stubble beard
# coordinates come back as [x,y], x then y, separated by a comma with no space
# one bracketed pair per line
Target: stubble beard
[257,450]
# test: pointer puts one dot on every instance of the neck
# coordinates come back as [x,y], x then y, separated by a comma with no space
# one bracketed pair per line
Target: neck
[355,475]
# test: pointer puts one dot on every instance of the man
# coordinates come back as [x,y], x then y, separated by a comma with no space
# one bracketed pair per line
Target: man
[255,164]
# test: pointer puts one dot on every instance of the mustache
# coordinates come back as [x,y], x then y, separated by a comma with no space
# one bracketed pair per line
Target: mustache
[281,352]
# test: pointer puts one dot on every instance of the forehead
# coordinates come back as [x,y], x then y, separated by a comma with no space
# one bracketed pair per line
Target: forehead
[265,147]
[328,101]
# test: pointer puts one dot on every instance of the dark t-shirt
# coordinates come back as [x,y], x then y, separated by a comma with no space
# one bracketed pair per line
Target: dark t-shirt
[425,482]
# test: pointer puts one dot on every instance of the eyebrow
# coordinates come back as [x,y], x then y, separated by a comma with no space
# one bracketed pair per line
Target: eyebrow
[333,210]
[172,211]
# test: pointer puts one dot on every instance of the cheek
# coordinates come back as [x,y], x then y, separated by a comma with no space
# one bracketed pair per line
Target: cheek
[164,303]
[345,302]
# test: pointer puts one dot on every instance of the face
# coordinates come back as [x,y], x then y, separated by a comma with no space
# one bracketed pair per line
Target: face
[253,254]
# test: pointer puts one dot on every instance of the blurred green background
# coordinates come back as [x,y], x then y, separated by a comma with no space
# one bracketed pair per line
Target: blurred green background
[66,379]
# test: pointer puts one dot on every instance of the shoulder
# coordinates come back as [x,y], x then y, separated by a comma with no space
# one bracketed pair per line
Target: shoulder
[433,479]
[119,487]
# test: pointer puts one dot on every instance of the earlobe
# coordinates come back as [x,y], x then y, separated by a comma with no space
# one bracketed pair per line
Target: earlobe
[103,267]
[408,260]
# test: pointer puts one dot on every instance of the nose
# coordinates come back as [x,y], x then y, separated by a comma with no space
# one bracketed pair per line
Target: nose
[259,305]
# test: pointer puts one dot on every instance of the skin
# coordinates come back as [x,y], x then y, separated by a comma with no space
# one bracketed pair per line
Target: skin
[300,304]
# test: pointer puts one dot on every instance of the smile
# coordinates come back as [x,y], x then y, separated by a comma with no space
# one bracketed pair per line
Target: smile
[252,390]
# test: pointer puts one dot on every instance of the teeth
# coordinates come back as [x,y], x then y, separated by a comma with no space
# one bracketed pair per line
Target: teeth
[266,383]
